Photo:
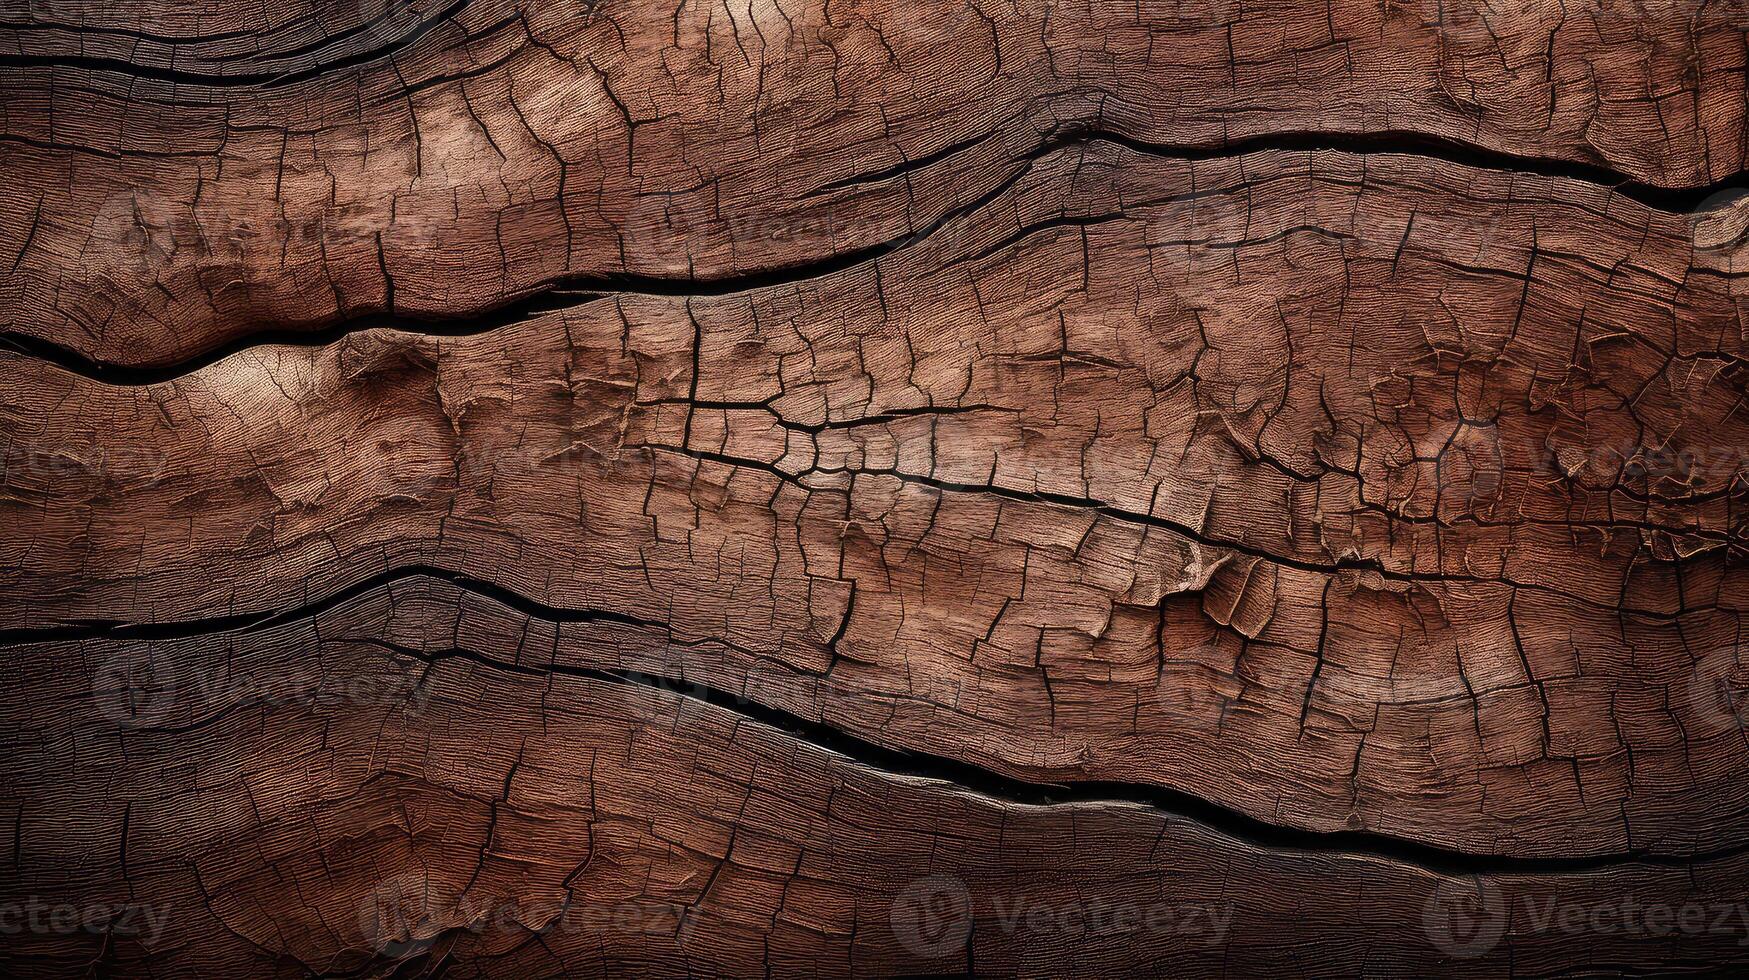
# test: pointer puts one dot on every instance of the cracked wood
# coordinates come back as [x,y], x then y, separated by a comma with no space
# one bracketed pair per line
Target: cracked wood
[554,489]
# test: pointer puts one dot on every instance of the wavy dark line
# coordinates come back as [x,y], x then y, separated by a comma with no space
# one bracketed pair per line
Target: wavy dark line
[1657,197]
[273,79]
[24,27]
[1168,802]
[1670,198]
[125,375]
[576,289]
[182,629]
[537,301]
[890,761]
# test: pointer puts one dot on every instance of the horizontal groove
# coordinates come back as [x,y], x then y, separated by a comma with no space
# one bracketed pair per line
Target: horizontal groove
[1656,197]
[101,30]
[552,295]
[1167,802]
[535,303]
[135,376]
[1670,198]
[893,762]
[182,629]
[178,76]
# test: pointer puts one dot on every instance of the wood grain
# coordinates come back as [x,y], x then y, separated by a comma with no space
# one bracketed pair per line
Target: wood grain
[1174,488]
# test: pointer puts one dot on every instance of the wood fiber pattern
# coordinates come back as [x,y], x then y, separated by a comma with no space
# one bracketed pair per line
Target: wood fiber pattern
[1170,487]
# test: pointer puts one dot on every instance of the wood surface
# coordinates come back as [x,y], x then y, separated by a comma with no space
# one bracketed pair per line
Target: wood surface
[857,488]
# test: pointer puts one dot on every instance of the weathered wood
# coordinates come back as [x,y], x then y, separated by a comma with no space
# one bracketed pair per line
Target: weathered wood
[723,490]
[172,196]
[420,771]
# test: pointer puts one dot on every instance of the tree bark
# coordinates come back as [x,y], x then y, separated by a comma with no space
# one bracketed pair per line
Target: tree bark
[1172,487]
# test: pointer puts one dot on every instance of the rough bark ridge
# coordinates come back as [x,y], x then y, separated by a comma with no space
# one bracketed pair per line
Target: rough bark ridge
[840,488]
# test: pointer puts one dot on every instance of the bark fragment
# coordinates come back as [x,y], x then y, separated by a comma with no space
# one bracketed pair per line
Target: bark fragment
[1177,488]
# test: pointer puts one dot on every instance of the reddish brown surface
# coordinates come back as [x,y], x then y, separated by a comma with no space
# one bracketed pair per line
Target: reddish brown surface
[870,488]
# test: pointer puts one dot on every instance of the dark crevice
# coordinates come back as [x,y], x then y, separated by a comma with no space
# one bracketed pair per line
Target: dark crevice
[538,300]
[898,762]
[124,375]
[274,79]
[1169,802]
[1668,199]
[132,34]
[82,630]
[533,304]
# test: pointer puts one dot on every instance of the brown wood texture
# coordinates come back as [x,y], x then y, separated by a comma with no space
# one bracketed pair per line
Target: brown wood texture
[799,488]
